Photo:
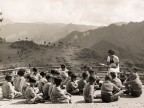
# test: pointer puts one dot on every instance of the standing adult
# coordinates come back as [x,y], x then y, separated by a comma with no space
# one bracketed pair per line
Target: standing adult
[112,62]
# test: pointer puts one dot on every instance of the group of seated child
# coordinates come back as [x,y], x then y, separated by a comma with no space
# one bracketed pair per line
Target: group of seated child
[59,85]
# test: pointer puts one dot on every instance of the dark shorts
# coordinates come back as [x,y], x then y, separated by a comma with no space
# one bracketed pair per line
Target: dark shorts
[108,98]
[136,93]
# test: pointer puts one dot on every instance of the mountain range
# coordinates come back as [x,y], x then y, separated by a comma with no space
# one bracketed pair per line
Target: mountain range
[126,39]
[38,32]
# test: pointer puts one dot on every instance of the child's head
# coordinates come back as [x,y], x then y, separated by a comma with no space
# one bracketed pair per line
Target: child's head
[108,78]
[56,73]
[73,77]
[70,73]
[43,74]
[111,52]
[113,75]
[9,78]
[35,70]
[135,69]
[85,67]
[49,77]
[84,75]
[32,81]
[21,72]
[27,77]
[91,72]
[57,81]
[52,71]
[92,80]
[63,66]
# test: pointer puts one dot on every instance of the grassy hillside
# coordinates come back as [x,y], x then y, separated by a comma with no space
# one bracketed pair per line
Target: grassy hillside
[28,53]
[127,40]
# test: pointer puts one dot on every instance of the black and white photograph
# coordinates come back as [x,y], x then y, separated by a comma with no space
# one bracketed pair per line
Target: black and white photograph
[71,53]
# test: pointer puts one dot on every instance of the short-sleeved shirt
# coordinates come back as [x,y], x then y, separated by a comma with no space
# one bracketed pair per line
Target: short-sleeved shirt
[81,84]
[46,89]
[41,83]
[30,93]
[57,93]
[37,76]
[88,92]
[8,90]
[63,74]
[19,83]
[70,86]
[117,82]
[112,62]
[108,88]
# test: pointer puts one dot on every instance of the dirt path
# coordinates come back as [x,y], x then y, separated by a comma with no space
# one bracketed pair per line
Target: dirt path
[78,102]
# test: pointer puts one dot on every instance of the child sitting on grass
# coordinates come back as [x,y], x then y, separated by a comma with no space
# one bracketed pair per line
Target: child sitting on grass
[134,86]
[31,95]
[20,80]
[46,86]
[26,84]
[109,91]
[116,80]
[88,91]
[93,74]
[82,82]
[58,95]
[42,81]
[8,89]
[67,79]
[72,86]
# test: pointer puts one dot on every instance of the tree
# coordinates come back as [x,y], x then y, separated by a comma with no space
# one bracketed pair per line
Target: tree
[44,42]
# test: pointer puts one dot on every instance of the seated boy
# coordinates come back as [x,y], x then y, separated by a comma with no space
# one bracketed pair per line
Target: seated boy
[88,91]
[8,89]
[58,95]
[93,74]
[46,86]
[82,82]
[109,91]
[31,95]
[67,79]
[72,86]
[134,86]
[116,80]
[42,81]
[26,84]
[20,80]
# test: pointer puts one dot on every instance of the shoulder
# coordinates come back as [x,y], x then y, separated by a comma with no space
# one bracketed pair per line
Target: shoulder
[116,57]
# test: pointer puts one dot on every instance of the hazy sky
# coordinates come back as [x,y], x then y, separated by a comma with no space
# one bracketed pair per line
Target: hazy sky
[92,12]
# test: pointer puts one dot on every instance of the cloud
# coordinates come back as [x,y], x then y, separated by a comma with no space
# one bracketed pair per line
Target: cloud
[94,12]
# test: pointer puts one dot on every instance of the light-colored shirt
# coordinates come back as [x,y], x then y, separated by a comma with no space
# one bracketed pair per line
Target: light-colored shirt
[57,93]
[8,90]
[88,92]
[41,83]
[108,87]
[63,74]
[117,82]
[30,93]
[19,83]
[37,76]
[115,60]
[46,89]
[70,86]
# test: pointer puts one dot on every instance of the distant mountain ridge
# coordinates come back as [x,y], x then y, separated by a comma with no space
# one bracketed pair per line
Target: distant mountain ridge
[39,32]
[127,39]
